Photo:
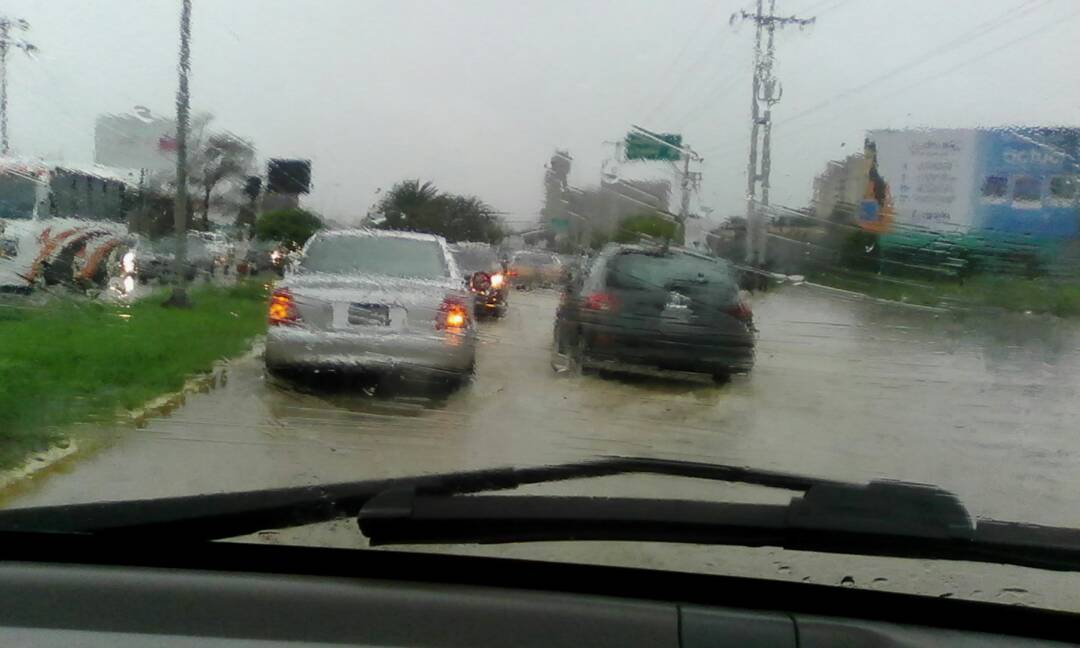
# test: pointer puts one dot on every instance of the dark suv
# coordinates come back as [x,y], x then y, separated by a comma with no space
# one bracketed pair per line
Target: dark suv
[486,276]
[655,310]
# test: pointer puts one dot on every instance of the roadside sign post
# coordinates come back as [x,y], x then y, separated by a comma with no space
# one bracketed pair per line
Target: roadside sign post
[642,144]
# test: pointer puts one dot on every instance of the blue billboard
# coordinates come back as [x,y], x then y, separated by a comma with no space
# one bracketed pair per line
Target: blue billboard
[1026,182]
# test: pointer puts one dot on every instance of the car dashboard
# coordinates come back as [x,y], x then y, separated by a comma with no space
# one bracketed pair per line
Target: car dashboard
[244,595]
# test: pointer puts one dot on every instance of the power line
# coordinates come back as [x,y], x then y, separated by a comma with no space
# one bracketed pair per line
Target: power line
[678,80]
[978,31]
[982,56]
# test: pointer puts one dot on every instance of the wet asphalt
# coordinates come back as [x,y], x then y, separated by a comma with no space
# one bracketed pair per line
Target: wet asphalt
[982,404]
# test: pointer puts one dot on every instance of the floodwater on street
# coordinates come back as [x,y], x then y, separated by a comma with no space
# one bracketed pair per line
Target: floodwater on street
[845,388]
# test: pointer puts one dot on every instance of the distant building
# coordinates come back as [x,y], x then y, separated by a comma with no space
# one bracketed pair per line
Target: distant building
[133,142]
[572,218]
[838,189]
[143,140]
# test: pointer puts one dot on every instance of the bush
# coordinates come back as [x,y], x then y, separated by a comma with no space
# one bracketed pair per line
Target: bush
[861,251]
[290,226]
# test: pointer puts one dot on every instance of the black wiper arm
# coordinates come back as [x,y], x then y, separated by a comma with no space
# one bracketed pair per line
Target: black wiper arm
[227,515]
[877,519]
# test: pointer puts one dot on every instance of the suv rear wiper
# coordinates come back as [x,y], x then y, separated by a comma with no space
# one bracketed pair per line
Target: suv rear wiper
[881,518]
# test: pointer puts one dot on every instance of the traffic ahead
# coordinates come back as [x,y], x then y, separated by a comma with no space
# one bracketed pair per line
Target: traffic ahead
[388,303]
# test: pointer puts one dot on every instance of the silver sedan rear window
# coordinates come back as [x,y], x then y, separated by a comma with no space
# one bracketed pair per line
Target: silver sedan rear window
[377,255]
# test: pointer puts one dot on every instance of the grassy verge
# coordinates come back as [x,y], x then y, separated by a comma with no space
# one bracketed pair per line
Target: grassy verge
[68,362]
[1043,295]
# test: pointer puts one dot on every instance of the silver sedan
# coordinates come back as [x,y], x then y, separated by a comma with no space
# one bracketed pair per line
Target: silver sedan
[373,301]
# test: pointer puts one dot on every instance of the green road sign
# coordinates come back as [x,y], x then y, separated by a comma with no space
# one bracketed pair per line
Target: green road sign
[560,224]
[644,147]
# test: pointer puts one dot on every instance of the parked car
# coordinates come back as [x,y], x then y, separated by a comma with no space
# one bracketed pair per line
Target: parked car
[374,301]
[261,256]
[535,268]
[222,251]
[657,310]
[485,275]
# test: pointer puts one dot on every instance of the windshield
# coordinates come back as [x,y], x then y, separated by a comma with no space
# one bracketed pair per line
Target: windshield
[838,239]
[17,196]
[392,257]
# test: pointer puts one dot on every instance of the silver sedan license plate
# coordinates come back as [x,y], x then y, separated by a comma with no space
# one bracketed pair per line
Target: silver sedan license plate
[368,315]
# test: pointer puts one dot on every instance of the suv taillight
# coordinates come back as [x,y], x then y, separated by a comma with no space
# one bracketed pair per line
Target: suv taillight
[600,301]
[282,308]
[453,315]
[741,311]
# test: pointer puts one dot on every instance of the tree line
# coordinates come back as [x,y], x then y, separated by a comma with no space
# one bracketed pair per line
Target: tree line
[418,206]
[410,205]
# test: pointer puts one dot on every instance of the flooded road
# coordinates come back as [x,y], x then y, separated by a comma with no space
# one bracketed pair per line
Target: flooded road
[982,405]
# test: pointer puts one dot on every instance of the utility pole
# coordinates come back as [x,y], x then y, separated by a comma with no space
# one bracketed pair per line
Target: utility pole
[765,90]
[8,25]
[179,298]
[687,184]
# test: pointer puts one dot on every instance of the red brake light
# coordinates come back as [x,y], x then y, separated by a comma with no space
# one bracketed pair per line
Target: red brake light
[480,281]
[452,315]
[282,308]
[741,311]
[600,302]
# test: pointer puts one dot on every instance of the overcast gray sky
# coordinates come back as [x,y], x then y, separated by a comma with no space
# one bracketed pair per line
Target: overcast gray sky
[476,94]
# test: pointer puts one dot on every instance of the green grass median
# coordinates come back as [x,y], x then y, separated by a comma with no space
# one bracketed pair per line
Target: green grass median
[71,361]
[1040,295]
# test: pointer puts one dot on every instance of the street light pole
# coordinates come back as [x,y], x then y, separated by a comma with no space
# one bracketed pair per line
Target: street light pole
[3,87]
[179,296]
[6,41]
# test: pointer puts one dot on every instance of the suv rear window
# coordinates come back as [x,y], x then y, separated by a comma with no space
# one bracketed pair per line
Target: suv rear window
[476,259]
[535,259]
[378,255]
[642,271]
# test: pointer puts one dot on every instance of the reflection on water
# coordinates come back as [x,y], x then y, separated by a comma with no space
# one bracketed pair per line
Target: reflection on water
[356,393]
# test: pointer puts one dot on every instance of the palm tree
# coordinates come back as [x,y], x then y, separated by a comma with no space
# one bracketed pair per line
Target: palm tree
[420,207]
[406,201]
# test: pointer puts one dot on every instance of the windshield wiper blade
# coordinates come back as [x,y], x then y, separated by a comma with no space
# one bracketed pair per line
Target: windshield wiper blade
[882,518]
[227,515]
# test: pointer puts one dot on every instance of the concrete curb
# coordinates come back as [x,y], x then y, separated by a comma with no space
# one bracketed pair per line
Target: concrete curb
[159,406]
[37,463]
[201,383]
[879,300]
